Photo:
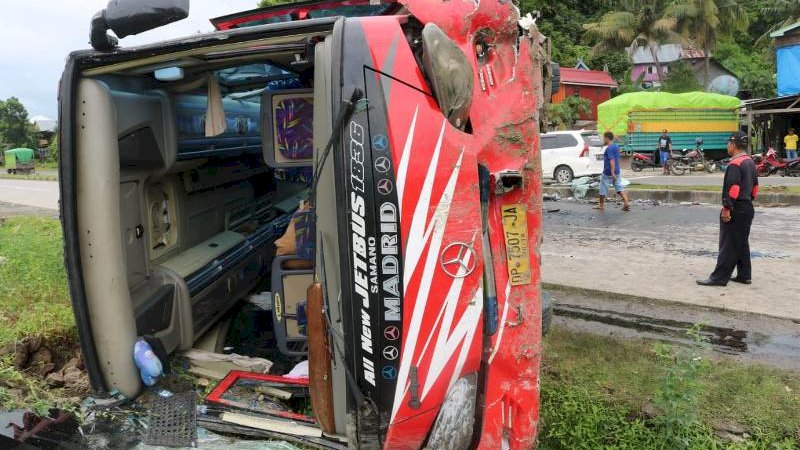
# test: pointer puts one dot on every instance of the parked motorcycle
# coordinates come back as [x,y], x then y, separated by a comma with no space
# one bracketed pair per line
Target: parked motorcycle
[691,160]
[769,164]
[641,161]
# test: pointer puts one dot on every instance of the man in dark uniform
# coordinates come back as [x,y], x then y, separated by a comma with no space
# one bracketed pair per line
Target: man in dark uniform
[739,190]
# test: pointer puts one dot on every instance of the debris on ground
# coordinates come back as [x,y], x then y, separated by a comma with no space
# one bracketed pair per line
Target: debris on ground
[172,421]
[730,431]
[212,441]
[35,357]
[580,186]
[216,366]
[551,197]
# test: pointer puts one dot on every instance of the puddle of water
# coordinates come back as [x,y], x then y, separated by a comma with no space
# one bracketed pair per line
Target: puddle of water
[754,255]
[769,255]
[724,340]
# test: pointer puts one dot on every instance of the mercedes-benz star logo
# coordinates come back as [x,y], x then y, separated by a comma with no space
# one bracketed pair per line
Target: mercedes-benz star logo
[380,142]
[382,164]
[385,186]
[391,333]
[458,259]
[391,353]
[389,373]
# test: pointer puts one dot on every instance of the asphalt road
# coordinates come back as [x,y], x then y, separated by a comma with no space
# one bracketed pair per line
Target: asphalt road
[40,194]
[658,252]
[699,179]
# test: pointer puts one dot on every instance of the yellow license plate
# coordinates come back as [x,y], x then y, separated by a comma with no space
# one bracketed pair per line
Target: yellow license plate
[515,232]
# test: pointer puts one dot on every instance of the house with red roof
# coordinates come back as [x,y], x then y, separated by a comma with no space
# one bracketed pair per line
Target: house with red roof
[593,85]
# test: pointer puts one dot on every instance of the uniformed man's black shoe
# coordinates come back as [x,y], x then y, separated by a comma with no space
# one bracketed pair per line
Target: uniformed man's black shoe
[710,282]
[740,280]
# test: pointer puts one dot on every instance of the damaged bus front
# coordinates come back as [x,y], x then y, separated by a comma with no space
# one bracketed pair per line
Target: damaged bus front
[373,166]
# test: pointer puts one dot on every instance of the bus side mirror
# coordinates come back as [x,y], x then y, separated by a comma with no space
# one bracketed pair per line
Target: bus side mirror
[129,17]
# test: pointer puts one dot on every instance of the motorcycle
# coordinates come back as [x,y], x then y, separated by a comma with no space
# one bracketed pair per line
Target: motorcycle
[691,160]
[769,164]
[640,161]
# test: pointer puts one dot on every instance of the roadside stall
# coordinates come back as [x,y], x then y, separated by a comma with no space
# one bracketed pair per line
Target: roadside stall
[19,160]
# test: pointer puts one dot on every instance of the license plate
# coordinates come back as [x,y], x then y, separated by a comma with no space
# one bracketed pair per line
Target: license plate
[599,157]
[515,231]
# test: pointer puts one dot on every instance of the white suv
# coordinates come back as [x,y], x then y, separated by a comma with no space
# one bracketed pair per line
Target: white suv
[570,154]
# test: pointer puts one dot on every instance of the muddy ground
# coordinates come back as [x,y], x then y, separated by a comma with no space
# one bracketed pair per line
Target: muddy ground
[747,338]
[657,251]
[14,209]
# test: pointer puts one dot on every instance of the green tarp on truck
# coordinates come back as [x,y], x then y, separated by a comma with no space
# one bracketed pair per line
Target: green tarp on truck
[639,118]
[613,114]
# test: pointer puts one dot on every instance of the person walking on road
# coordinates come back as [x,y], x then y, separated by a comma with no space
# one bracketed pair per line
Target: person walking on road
[612,173]
[790,141]
[664,151]
[739,189]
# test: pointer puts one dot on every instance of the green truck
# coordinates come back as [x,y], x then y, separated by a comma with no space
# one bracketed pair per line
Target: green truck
[19,160]
[639,118]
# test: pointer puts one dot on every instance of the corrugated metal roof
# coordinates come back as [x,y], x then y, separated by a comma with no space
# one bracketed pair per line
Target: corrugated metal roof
[667,53]
[587,77]
[44,123]
[782,32]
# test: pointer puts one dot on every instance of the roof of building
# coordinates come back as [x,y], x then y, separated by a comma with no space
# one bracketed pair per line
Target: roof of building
[582,65]
[785,30]
[587,77]
[44,123]
[667,53]
[789,103]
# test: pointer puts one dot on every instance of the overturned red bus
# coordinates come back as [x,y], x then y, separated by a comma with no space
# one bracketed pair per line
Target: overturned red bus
[408,133]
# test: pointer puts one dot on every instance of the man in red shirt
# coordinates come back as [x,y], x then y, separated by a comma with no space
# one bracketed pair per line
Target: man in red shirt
[739,190]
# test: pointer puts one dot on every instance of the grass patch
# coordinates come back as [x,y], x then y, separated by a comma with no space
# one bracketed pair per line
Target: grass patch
[34,298]
[594,390]
[34,301]
[665,187]
[35,177]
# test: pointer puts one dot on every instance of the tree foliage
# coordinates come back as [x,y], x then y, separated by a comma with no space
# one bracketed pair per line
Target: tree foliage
[638,23]
[15,129]
[266,3]
[564,115]
[681,79]
[786,12]
[702,22]
[733,32]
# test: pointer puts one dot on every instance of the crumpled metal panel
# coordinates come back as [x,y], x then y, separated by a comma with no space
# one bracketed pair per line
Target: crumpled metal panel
[507,96]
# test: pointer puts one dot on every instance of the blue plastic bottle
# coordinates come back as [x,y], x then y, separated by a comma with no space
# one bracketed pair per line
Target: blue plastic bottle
[150,368]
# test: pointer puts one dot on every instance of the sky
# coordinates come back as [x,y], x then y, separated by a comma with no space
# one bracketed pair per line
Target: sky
[37,35]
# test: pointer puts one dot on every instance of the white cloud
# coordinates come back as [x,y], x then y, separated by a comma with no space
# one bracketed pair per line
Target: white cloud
[37,35]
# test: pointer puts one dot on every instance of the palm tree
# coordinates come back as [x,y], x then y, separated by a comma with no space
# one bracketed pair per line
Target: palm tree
[789,10]
[639,23]
[703,21]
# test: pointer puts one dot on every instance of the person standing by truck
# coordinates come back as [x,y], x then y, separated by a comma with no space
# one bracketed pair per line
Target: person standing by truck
[664,150]
[612,173]
[790,140]
[739,190]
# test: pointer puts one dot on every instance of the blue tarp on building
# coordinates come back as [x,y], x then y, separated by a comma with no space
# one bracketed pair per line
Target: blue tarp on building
[789,70]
